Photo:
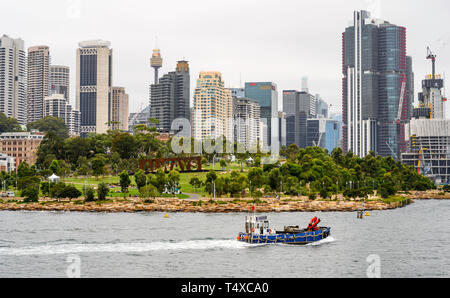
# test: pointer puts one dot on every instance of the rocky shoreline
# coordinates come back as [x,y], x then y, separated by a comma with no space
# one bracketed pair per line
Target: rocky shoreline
[223,206]
[176,205]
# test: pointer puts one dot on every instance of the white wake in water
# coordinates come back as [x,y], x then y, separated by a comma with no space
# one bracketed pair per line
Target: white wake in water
[123,247]
[321,242]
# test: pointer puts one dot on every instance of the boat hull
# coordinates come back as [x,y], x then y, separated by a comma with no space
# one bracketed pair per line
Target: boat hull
[286,238]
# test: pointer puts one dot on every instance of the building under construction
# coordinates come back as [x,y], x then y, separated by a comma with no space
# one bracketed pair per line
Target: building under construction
[429,149]
[429,131]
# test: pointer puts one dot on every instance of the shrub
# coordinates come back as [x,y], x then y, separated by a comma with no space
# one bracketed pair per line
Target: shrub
[89,194]
[387,189]
[102,191]
[71,192]
[446,188]
[312,196]
[31,194]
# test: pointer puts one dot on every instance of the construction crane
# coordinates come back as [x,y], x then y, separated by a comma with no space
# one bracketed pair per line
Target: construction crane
[432,57]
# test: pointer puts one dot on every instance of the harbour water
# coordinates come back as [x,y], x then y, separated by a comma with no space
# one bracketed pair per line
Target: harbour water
[410,242]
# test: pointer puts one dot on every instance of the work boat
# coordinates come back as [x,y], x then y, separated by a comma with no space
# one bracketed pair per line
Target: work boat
[257,231]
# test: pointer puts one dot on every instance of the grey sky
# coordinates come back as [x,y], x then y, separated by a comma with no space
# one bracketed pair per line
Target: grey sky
[258,40]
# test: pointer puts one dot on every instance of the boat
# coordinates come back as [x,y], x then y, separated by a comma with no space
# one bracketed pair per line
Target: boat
[258,231]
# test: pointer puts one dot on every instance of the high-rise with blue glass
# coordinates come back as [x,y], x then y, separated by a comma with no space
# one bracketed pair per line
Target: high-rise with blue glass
[376,89]
[94,86]
[266,95]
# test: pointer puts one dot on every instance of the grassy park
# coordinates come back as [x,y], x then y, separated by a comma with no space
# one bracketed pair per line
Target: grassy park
[185,178]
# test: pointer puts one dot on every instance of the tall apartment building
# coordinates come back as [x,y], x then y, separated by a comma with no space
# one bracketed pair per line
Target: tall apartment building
[119,109]
[93,85]
[376,104]
[57,105]
[170,98]
[38,81]
[60,81]
[213,108]
[13,79]
[266,95]
[247,123]
[22,146]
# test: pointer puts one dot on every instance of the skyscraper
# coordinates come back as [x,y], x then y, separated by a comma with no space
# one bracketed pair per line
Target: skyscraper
[60,81]
[93,85]
[295,119]
[376,104]
[38,81]
[13,76]
[298,107]
[213,108]
[170,98]
[119,109]
[266,94]
[247,123]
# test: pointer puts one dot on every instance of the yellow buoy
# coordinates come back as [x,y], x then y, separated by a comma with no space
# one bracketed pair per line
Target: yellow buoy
[367,213]
[166,216]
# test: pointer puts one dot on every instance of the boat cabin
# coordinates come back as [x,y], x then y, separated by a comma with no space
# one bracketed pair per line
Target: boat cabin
[257,225]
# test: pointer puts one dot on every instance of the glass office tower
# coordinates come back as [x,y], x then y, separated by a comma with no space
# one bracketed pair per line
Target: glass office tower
[266,95]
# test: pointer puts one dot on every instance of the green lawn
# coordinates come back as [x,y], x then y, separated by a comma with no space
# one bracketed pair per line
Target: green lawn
[185,178]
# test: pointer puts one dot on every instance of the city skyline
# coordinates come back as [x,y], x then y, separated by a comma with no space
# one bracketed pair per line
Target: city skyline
[288,50]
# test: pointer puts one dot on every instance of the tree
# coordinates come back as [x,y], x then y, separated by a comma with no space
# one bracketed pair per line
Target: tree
[89,194]
[98,166]
[57,191]
[102,191]
[173,181]
[27,177]
[9,124]
[211,180]
[54,167]
[256,178]
[292,152]
[149,191]
[51,124]
[160,180]
[71,192]
[223,164]
[51,148]
[125,181]
[196,183]
[124,144]
[141,179]
[31,194]
[388,187]
[275,179]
